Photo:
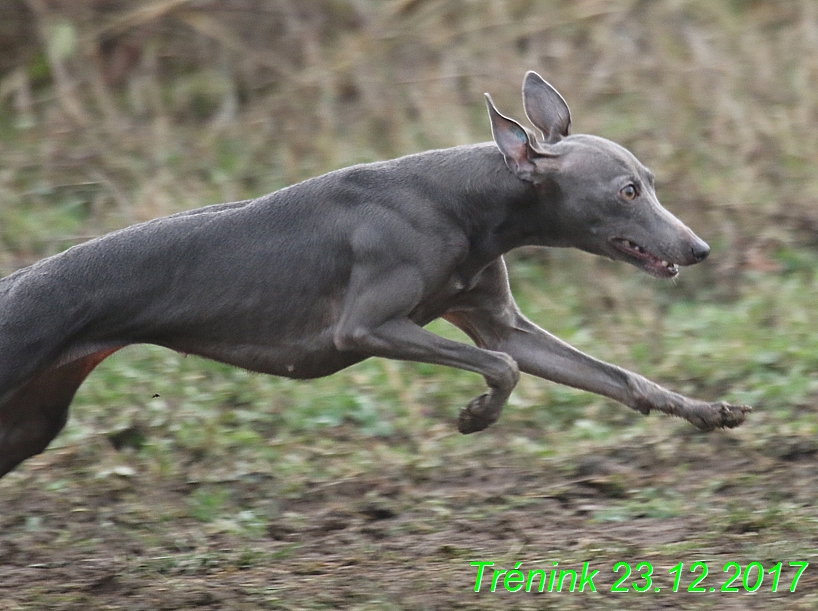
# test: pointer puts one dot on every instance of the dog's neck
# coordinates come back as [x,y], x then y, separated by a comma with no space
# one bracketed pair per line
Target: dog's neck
[498,210]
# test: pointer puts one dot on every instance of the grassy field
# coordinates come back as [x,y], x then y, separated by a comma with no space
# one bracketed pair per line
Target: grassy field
[180,483]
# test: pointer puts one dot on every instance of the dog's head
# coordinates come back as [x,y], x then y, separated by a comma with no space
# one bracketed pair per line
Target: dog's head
[600,198]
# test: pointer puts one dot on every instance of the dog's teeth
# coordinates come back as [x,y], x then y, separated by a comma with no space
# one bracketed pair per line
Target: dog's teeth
[634,246]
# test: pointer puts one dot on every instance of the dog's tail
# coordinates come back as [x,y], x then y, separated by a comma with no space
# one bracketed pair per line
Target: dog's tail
[32,414]
[38,379]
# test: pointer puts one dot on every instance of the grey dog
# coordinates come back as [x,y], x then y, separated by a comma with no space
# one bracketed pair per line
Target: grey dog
[352,264]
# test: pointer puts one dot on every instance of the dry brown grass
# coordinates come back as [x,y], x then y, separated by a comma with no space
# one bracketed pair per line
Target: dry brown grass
[168,104]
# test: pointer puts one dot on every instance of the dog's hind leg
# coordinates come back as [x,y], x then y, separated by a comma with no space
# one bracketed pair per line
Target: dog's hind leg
[33,414]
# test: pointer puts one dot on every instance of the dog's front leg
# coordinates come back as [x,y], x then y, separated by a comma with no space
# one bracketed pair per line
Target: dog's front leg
[404,340]
[375,323]
[491,318]
[541,354]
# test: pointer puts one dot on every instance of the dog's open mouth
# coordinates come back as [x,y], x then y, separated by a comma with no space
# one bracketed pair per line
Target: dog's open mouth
[645,260]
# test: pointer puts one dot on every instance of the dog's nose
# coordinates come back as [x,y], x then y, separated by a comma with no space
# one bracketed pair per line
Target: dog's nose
[700,250]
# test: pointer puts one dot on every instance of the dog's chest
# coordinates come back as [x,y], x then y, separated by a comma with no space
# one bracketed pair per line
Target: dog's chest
[442,298]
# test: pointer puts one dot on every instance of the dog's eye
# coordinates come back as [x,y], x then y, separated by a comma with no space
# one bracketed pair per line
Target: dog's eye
[628,193]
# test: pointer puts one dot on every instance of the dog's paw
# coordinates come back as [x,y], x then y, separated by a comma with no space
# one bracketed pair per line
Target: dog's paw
[477,415]
[731,415]
[718,415]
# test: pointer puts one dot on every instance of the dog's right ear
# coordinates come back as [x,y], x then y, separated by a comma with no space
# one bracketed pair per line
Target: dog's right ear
[517,144]
[545,108]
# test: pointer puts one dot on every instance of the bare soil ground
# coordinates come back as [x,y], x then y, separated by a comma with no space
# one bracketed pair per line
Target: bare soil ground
[402,534]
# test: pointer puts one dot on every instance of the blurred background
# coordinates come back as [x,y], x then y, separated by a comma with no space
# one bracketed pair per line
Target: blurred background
[114,112]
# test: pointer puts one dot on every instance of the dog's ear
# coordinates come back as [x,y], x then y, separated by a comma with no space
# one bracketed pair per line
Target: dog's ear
[545,108]
[517,144]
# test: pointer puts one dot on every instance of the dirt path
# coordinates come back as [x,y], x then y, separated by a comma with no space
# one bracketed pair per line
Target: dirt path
[395,537]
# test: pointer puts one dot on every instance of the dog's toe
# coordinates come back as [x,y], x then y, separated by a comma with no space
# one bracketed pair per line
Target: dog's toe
[732,415]
[477,415]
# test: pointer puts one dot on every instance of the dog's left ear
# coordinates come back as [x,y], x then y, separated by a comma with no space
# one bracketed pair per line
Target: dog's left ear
[517,144]
[545,108]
